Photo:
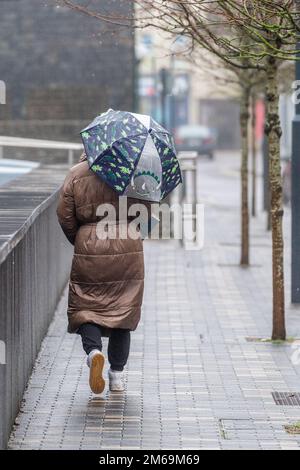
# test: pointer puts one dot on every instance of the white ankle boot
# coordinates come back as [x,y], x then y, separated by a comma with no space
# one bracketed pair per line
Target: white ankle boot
[116,381]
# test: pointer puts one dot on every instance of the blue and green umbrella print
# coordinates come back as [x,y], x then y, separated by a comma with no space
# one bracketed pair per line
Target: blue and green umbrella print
[133,154]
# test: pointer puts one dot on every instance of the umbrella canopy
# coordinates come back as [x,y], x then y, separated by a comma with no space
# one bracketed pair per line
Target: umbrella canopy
[133,154]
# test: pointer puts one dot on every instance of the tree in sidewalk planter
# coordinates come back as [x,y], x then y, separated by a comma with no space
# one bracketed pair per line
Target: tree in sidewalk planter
[249,81]
[272,29]
[246,86]
[243,84]
[246,79]
[285,78]
[221,26]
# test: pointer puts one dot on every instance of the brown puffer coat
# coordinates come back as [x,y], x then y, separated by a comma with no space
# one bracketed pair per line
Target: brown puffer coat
[107,276]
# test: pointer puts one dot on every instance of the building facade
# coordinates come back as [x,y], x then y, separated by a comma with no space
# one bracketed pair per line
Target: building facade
[62,68]
[192,97]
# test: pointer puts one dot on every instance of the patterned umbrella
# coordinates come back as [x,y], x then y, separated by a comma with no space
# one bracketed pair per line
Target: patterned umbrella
[133,154]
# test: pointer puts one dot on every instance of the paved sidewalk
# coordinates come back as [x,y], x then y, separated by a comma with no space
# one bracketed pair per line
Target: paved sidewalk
[193,380]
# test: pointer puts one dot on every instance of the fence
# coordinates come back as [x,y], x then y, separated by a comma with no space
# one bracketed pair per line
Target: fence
[34,267]
[40,144]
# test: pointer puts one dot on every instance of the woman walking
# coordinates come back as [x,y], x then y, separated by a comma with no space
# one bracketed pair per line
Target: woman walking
[107,276]
[127,154]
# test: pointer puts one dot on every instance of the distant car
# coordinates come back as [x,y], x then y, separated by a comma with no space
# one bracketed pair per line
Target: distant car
[200,139]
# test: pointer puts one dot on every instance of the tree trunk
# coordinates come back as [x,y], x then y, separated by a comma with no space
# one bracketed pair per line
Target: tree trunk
[267,201]
[244,121]
[273,131]
[254,155]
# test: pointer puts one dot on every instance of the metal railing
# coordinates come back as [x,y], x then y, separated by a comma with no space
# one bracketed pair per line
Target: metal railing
[189,192]
[70,147]
[35,261]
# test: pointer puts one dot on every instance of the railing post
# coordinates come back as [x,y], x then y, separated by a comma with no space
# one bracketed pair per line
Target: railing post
[176,198]
[70,157]
[1,152]
[189,166]
[190,182]
[198,177]
[189,203]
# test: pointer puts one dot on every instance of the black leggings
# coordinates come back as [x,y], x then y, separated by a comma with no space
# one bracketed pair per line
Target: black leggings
[118,343]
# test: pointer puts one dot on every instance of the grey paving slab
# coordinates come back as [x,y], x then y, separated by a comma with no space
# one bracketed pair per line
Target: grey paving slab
[193,380]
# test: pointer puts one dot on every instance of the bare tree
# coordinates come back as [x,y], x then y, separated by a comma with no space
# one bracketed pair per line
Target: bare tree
[272,31]
[243,83]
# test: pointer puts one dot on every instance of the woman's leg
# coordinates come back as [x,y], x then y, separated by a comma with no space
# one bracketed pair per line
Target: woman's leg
[92,344]
[118,348]
[91,337]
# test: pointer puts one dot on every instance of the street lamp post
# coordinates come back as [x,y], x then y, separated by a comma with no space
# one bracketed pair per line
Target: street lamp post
[296,198]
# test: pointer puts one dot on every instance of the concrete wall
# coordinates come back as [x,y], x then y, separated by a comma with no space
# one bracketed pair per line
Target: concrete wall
[58,64]
[34,268]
